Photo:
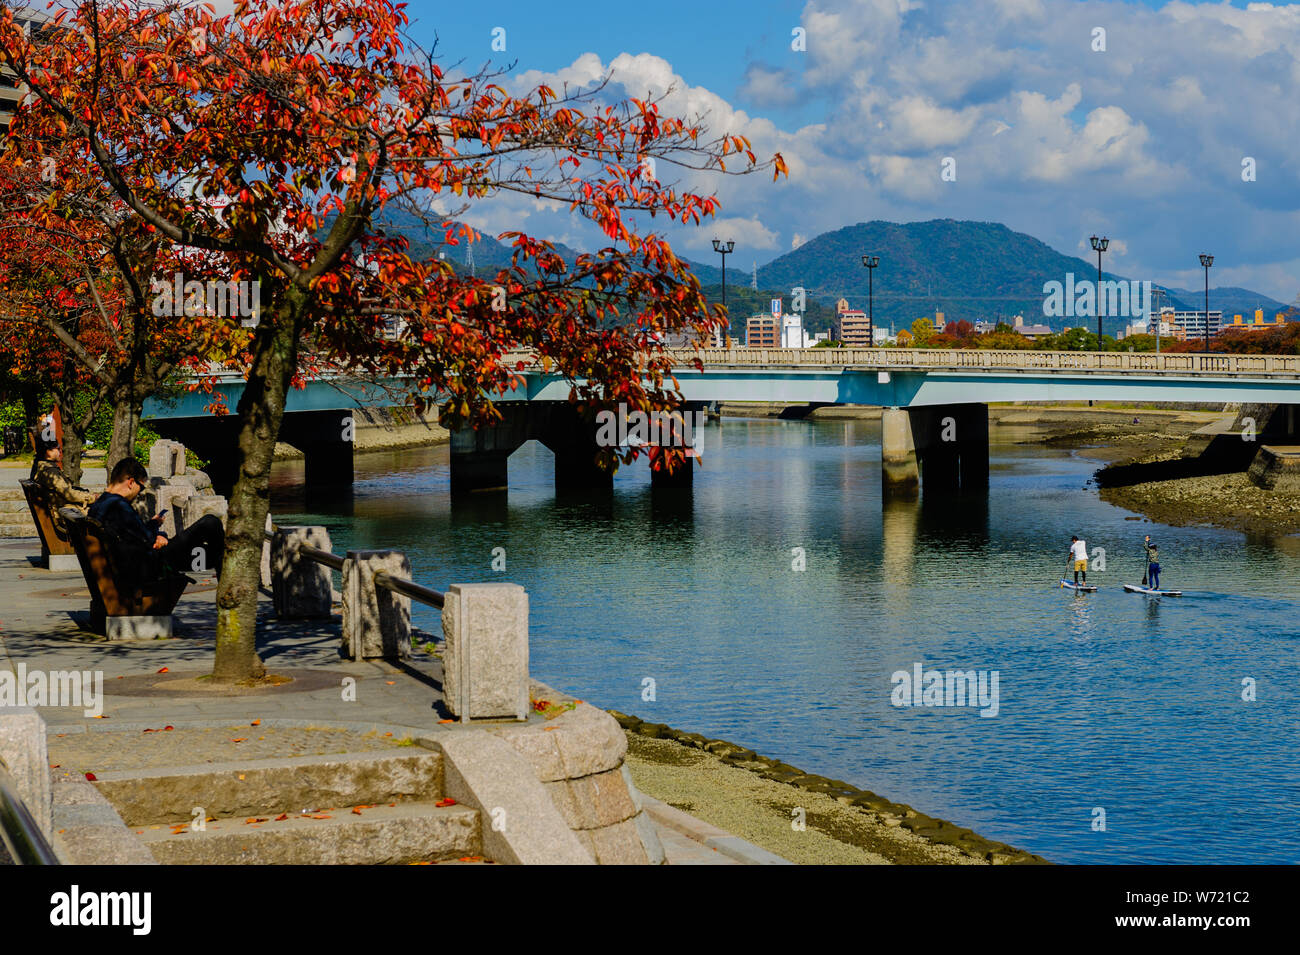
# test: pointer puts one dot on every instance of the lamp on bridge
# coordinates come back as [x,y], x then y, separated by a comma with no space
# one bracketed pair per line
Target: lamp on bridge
[724,249]
[1099,245]
[1206,262]
[871,262]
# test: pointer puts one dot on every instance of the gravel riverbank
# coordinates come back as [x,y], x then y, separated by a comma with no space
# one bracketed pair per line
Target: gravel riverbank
[799,816]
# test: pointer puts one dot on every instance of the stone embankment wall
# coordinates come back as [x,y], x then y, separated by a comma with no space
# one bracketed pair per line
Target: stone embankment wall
[885,812]
[386,429]
[1276,469]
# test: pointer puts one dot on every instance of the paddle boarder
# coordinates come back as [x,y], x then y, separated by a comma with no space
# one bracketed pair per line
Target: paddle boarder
[1079,555]
[1152,576]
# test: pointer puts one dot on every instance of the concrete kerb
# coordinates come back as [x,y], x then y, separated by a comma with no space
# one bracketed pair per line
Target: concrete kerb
[89,831]
[709,835]
[23,751]
[520,824]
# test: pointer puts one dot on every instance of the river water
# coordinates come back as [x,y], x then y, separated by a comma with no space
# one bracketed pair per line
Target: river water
[1109,701]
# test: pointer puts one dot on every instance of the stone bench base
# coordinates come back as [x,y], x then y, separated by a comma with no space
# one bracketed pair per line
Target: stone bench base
[62,563]
[137,628]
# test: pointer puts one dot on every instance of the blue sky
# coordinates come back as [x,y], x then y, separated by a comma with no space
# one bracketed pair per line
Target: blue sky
[1143,141]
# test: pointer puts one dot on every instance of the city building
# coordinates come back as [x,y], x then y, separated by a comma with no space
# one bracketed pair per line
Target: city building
[792,333]
[1189,325]
[851,327]
[763,331]
[1032,332]
[12,91]
[1258,325]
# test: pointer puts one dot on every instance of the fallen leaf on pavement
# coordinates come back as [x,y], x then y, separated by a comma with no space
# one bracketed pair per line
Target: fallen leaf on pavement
[255,723]
[283,816]
[91,777]
[443,803]
[164,670]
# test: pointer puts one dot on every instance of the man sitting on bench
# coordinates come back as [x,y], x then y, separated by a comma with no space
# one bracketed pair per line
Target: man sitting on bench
[143,538]
[47,472]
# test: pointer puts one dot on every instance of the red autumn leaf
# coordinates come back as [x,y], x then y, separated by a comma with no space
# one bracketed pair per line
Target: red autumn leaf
[443,803]
[91,777]
[163,670]
[283,816]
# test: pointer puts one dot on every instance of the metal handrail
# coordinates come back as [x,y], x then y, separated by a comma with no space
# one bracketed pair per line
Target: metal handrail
[322,557]
[397,585]
[18,830]
[410,589]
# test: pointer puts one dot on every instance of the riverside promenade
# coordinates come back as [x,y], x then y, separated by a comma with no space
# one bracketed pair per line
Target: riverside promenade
[158,710]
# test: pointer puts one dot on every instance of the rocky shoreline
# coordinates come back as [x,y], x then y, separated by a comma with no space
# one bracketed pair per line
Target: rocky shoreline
[734,787]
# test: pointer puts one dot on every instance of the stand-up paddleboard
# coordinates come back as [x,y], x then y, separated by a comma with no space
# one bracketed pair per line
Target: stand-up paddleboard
[1082,588]
[1139,589]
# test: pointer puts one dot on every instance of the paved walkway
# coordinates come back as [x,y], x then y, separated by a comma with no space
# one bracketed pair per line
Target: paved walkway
[150,685]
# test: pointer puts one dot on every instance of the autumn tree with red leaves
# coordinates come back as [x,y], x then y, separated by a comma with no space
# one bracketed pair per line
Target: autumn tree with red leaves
[273,139]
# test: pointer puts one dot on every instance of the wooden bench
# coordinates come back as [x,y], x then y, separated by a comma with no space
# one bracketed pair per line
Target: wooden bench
[123,605]
[57,552]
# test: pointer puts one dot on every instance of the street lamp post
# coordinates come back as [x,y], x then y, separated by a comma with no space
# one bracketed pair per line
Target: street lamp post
[871,262]
[724,249]
[1160,297]
[1206,262]
[1099,246]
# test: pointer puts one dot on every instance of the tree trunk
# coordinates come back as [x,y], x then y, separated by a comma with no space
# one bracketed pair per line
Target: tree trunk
[74,443]
[126,423]
[260,410]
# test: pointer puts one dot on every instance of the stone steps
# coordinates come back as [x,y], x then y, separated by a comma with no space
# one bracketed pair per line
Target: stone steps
[363,835]
[287,811]
[18,530]
[259,787]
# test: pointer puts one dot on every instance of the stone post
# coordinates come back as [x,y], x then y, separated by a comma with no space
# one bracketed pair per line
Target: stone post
[166,459]
[22,750]
[300,587]
[376,621]
[266,556]
[200,505]
[172,497]
[485,664]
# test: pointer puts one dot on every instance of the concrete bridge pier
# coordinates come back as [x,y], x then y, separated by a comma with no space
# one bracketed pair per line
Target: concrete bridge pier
[479,456]
[947,446]
[326,440]
[572,439]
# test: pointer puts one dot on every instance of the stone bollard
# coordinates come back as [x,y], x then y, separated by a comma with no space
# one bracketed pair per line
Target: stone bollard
[376,621]
[172,497]
[200,505]
[485,663]
[166,459]
[23,752]
[300,587]
[266,557]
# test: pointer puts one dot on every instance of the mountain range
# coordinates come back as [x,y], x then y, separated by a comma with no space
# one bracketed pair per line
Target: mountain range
[967,270]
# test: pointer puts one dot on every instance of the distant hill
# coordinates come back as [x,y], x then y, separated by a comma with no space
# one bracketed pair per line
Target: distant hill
[967,270]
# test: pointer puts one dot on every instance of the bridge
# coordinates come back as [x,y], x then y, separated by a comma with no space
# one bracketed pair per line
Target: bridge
[935,417]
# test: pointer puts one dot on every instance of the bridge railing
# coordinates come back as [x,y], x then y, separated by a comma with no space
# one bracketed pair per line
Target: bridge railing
[909,358]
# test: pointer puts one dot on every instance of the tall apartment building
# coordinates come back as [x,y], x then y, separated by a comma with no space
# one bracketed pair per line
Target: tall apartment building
[763,331]
[1189,325]
[12,91]
[851,328]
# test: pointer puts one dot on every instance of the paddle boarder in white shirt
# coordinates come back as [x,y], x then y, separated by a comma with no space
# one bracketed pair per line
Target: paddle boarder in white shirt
[1079,555]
